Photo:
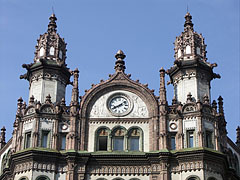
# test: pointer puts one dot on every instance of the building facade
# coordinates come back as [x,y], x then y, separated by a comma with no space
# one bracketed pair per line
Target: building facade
[119,129]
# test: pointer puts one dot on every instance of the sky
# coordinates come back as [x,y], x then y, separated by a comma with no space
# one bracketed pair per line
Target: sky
[96,29]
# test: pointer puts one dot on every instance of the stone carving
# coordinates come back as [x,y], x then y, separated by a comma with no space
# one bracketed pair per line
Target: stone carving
[100,110]
[47,110]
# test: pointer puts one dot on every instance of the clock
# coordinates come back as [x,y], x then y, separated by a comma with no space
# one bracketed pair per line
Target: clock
[119,104]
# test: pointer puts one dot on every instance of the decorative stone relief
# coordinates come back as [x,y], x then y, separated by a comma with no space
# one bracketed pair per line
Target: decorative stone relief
[100,109]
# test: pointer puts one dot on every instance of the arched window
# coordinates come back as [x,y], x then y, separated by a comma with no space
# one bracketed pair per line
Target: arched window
[101,179]
[42,51]
[118,139]
[198,51]
[42,178]
[102,139]
[179,53]
[193,178]
[23,178]
[135,139]
[51,52]
[188,49]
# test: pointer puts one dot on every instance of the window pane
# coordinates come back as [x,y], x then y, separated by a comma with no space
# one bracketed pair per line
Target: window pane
[134,143]
[102,143]
[190,139]
[118,143]
[28,140]
[173,143]
[45,139]
[63,142]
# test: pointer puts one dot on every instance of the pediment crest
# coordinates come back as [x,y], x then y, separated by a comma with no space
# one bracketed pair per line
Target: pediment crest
[47,109]
[189,108]
[30,110]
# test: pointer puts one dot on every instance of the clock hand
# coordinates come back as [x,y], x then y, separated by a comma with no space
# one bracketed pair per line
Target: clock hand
[117,106]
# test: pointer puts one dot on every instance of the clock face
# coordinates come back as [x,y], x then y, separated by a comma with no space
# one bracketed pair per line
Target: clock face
[119,105]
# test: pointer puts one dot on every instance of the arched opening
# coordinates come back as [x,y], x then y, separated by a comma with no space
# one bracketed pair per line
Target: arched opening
[42,178]
[193,178]
[52,51]
[179,53]
[188,49]
[23,178]
[41,52]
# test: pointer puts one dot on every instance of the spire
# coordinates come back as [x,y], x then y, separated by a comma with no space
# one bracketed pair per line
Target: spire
[220,105]
[120,64]
[75,91]
[238,136]
[162,90]
[52,24]
[2,137]
[188,25]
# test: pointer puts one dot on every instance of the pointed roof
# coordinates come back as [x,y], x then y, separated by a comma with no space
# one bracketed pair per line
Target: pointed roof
[188,25]
[52,26]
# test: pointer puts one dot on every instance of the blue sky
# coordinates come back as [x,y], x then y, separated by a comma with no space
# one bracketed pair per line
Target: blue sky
[95,29]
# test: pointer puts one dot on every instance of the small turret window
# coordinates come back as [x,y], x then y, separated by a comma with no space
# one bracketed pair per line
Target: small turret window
[42,51]
[188,49]
[60,54]
[190,139]
[198,51]
[28,140]
[179,53]
[51,51]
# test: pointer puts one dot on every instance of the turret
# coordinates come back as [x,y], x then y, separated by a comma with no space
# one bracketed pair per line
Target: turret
[191,71]
[163,144]
[48,74]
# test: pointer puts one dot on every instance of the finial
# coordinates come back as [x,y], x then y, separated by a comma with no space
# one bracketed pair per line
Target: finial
[214,104]
[238,136]
[220,105]
[174,100]
[31,100]
[205,99]
[188,25]
[162,70]
[120,64]
[2,137]
[52,24]
[48,99]
[63,102]
[189,97]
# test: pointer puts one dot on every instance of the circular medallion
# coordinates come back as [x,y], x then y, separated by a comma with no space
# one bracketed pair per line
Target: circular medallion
[173,126]
[119,104]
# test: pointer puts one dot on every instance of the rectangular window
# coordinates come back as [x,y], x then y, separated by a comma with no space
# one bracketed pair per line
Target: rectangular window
[63,141]
[190,135]
[102,143]
[45,137]
[118,143]
[28,140]
[209,139]
[134,143]
[173,142]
